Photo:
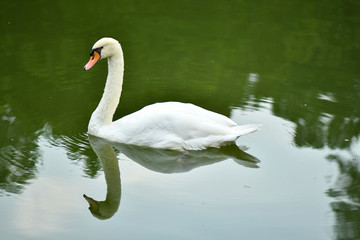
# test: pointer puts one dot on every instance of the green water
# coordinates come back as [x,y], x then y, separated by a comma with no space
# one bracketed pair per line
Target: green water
[292,66]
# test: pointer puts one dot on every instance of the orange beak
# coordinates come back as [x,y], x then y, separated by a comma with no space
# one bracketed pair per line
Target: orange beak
[93,59]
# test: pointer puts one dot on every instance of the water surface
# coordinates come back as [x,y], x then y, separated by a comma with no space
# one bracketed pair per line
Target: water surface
[294,67]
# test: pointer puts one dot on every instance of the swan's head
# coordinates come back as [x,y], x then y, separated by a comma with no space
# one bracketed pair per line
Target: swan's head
[101,209]
[104,48]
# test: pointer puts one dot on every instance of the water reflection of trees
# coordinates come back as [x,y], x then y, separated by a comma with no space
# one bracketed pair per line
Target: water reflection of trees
[346,194]
[322,120]
[19,156]
[20,152]
[18,164]
[79,151]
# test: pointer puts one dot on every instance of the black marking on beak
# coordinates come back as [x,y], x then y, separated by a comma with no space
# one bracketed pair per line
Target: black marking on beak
[98,50]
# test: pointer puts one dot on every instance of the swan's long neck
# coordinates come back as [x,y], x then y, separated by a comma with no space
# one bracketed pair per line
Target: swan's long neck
[104,112]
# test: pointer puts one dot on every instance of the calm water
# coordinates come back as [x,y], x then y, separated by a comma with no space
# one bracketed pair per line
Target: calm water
[292,66]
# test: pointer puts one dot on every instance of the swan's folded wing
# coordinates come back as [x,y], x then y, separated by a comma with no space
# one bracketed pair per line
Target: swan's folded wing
[176,126]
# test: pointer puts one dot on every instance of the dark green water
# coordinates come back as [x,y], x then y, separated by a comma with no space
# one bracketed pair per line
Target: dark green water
[292,66]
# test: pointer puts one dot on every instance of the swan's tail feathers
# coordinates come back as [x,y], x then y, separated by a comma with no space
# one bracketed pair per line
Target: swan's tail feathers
[246,129]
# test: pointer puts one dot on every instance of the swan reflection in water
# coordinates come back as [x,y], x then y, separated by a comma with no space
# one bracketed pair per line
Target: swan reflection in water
[158,160]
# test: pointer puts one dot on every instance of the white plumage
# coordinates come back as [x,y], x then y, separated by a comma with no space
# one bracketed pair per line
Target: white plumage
[169,125]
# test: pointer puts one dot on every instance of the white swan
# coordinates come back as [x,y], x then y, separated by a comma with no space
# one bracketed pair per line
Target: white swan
[169,125]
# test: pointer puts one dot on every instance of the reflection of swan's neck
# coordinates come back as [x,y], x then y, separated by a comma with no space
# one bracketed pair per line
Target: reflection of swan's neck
[106,209]
[105,110]
[112,175]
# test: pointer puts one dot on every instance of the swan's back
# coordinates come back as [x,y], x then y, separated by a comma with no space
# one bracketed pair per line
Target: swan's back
[174,125]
